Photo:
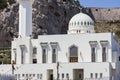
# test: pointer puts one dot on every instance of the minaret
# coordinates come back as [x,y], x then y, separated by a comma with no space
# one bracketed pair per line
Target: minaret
[25,18]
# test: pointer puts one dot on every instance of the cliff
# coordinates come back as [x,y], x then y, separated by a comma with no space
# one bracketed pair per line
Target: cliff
[52,17]
[49,17]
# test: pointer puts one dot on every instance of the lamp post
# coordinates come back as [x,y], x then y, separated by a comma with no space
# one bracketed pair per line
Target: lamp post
[57,70]
[13,68]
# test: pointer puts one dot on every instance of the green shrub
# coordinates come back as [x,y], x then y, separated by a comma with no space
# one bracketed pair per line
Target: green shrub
[3,4]
[11,1]
[118,33]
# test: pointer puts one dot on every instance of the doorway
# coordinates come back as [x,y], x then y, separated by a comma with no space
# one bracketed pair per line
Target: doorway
[50,74]
[78,74]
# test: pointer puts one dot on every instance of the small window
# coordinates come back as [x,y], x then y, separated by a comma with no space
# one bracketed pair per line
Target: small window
[91,75]
[96,9]
[81,23]
[78,23]
[72,23]
[40,76]
[104,56]
[69,23]
[62,75]
[84,23]
[75,23]
[44,56]
[18,75]
[23,75]
[88,23]
[34,61]
[119,58]
[58,75]
[34,50]
[96,75]
[77,31]
[33,75]
[53,55]
[30,75]
[67,75]
[93,56]
[101,75]
[26,75]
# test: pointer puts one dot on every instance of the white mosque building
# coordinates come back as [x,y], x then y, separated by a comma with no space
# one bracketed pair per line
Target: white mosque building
[81,54]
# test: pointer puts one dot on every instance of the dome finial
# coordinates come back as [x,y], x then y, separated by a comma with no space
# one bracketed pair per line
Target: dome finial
[80,9]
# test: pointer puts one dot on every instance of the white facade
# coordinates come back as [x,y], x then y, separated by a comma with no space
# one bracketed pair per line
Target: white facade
[82,64]
[25,11]
[79,55]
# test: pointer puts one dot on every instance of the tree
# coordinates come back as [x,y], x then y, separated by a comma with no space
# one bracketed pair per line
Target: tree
[11,1]
[3,4]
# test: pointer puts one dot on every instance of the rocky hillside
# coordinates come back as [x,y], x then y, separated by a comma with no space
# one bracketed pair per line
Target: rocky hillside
[52,17]
[49,16]
[107,19]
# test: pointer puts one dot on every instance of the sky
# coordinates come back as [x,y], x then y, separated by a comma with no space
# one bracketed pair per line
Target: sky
[100,3]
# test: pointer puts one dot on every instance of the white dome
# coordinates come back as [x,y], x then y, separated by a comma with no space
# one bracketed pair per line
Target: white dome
[81,23]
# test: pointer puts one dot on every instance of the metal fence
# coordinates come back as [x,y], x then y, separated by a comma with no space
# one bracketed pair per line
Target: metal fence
[11,77]
[105,78]
[7,77]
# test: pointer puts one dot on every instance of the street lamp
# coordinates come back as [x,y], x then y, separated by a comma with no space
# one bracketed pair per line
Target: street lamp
[13,68]
[57,70]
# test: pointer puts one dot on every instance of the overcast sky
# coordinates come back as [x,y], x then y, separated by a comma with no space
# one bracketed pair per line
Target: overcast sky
[100,3]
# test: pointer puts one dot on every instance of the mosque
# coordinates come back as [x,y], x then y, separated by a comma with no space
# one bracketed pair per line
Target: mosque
[81,54]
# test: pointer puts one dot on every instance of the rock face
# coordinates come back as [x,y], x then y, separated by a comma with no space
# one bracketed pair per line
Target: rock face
[52,17]
[105,14]
[49,16]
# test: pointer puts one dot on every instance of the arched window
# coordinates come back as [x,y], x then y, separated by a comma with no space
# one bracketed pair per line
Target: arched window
[72,23]
[84,23]
[75,23]
[104,54]
[53,55]
[73,54]
[78,23]
[88,23]
[93,57]
[81,23]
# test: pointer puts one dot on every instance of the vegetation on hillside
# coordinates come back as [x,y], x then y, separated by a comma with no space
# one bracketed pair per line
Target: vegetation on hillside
[5,56]
[108,27]
[5,3]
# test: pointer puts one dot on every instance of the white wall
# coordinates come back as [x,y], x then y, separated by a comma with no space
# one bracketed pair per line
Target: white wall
[81,41]
[64,68]
[64,42]
[25,18]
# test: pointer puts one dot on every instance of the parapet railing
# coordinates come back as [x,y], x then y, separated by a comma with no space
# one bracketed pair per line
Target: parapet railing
[7,77]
